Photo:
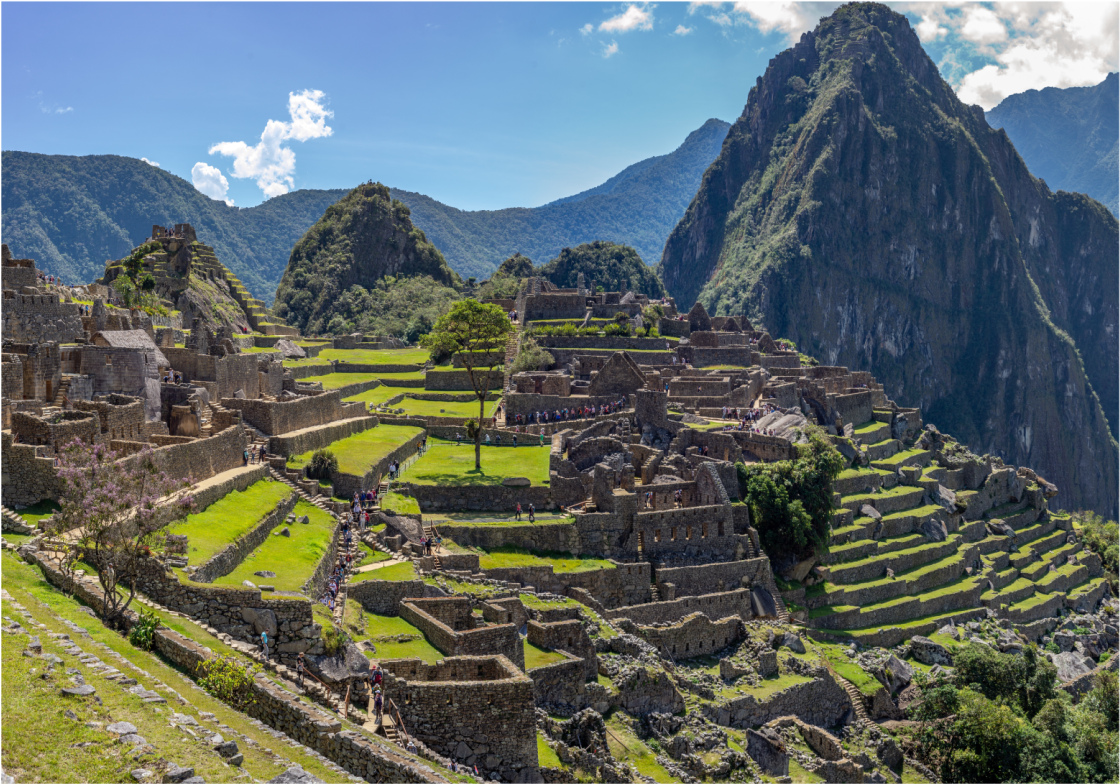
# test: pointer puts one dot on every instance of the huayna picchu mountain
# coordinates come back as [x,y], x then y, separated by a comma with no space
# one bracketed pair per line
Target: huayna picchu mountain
[362,238]
[862,210]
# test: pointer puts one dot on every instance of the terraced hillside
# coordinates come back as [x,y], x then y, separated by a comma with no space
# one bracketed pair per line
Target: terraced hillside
[920,540]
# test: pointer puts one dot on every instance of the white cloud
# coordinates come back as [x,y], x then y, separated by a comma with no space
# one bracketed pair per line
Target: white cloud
[682,30]
[586,29]
[608,50]
[982,26]
[51,108]
[153,163]
[633,18]
[270,163]
[209,181]
[1022,45]
[790,18]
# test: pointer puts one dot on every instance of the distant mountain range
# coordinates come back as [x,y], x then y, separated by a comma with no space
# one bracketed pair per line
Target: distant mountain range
[1068,137]
[74,213]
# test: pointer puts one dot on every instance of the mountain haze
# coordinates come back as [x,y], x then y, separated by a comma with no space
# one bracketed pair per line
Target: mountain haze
[860,209]
[73,213]
[1068,137]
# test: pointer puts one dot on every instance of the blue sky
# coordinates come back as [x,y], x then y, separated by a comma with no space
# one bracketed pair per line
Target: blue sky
[479,105]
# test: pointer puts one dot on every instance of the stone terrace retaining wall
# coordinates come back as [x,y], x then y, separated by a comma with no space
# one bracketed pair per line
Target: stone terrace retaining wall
[560,685]
[234,553]
[454,380]
[547,537]
[478,497]
[27,478]
[320,437]
[242,480]
[345,485]
[280,709]
[627,583]
[715,606]
[717,577]
[318,580]
[383,597]
[821,701]
[475,709]
[567,636]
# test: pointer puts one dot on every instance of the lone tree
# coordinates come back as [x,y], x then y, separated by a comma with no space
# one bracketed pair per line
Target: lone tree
[115,512]
[477,334]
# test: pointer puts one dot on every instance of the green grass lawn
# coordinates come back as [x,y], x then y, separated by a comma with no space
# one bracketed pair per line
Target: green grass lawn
[401,504]
[293,558]
[626,747]
[507,557]
[396,638]
[445,408]
[546,755]
[365,356]
[538,657]
[380,394]
[358,452]
[36,512]
[398,572]
[448,463]
[228,518]
[338,380]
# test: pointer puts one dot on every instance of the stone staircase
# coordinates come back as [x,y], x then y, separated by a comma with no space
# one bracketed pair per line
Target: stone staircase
[318,501]
[513,345]
[61,396]
[14,522]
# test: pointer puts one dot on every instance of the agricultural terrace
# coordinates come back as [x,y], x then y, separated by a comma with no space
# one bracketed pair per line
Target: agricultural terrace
[394,637]
[450,463]
[508,556]
[363,356]
[293,558]
[224,521]
[382,393]
[338,380]
[357,453]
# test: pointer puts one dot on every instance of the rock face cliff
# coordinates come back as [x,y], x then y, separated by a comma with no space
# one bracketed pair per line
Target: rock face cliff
[860,209]
[364,237]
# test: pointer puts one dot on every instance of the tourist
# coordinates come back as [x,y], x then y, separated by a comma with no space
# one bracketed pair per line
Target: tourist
[514,439]
[245,456]
[262,453]
[459,438]
[264,645]
[517,512]
[378,702]
[487,439]
[532,514]
[300,669]
[439,542]
[412,750]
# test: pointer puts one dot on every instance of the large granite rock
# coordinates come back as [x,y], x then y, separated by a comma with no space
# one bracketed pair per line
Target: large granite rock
[766,748]
[345,665]
[929,652]
[1071,665]
[762,603]
[896,674]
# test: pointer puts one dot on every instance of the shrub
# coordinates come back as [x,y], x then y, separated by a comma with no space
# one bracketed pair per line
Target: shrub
[323,465]
[229,680]
[531,357]
[334,639]
[143,632]
[1103,538]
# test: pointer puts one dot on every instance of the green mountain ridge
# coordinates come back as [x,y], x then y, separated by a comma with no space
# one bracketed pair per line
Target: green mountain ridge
[860,209]
[72,213]
[1069,137]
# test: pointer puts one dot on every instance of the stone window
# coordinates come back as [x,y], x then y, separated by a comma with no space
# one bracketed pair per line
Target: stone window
[108,360]
[673,533]
[721,527]
[704,531]
[688,532]
[657,535]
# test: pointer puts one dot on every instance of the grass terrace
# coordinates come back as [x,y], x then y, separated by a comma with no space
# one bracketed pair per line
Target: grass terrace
[512,557]
[398,572]
[539,657]
[228,518]
[380,394]
[36,512]
[293,558]
[395,638]
[445,408]
[357,453]
[449,463]
[401,504]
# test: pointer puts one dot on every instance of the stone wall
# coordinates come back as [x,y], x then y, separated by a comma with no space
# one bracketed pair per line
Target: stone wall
[605,342]
[496,498]
[820,701]
[527,403]
[716,605]
[128,371]
[478,710]
[559,686]
[319,438]
[276,417]
[231,373]
[202,458]
[461,639]
[695,635]
[384,597]
[454,380]
[690,532]
[231,556]
[239,481]
[568,636]
[40,318]
[27,477]
[716,577]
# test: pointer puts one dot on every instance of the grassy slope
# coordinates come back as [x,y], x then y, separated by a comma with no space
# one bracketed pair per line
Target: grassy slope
[222,522]
[358,452]
[293,558]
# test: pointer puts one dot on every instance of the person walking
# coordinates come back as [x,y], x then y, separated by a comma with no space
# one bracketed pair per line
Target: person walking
[264,645]
[532,514]
[378,702]
[300,667]
[517,512]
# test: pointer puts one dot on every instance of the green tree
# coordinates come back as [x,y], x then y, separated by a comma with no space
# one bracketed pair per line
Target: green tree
[477,333]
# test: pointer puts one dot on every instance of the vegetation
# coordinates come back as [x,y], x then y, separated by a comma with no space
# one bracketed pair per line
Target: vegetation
[323,465]
[293,558]
[1101,537]
[472,331]
[134,286]
[364,238]
[535,656]
[228,518]
[1002,717]
[508,557]
[112,512]
[448,463]
[603,264]
[397,572]
[143,632]
[791,500]
[228,679]
[531,357]
[357,453]
[507,280]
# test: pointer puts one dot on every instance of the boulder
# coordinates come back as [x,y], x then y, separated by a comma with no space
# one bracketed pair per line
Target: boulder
[303,520]
[800,570]
[516,481]
[289,349]
[867,510]
[1071,665]
[1000,528]
[793,642]
[286,532]
[762,603]
[296,775]
[265,573]
[261,619]
[883,707]
[345,665]
[934,529]
[947,498]
[175,774]
[121,728]
[766,748]
[929,652]
[896,674]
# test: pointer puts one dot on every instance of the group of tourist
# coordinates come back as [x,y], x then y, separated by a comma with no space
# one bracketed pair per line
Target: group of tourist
[253,454]
[513,316]
[172,377]
[435,541]
[649,500]
[532,513]
[566,414]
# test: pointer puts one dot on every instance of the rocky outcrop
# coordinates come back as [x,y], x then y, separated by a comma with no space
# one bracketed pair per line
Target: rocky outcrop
[860,209]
